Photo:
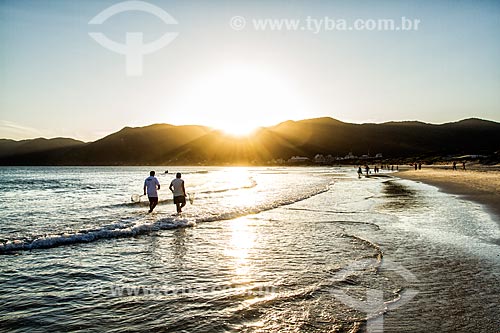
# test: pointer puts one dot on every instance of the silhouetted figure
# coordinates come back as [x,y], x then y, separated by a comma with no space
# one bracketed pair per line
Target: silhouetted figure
[454,166]
[360,172]
[397,167]
[419,166]
[151,185]
[392,167]
[177,188]
[367,169]
[415,166]
[463,166]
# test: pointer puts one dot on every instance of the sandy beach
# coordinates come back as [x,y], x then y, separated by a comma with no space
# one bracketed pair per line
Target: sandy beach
[479,185]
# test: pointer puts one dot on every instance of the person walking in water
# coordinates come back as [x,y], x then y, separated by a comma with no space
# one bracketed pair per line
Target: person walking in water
[177,188]
[151,185]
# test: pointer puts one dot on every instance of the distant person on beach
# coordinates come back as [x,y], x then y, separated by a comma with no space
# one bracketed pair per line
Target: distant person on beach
[415,165]
[463,166]
[151,185]
[454,166]
[419,166]
[360,172]
[177,188]
[367,169]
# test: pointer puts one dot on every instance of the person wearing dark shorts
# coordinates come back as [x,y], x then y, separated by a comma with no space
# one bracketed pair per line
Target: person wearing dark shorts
[179,192]
[180,199]
[153,201]
[151,185]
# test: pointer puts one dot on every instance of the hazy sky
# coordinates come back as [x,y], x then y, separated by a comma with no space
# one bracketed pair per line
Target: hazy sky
[55,80]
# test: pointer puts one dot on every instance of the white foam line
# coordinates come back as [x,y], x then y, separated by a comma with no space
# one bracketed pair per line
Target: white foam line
[86,236]
[119,231]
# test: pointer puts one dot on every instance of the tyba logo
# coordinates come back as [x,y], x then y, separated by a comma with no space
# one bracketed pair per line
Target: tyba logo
[134,49]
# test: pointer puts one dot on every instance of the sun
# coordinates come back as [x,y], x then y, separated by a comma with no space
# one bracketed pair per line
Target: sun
[238,99]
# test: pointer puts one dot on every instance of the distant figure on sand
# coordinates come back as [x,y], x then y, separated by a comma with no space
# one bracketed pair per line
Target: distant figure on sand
[463,166]
[177,188]
[360,172]
[367,169]
[454,165]
[151,185]
[419,166]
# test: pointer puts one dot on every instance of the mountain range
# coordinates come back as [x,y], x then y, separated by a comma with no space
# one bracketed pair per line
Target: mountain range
[163,144]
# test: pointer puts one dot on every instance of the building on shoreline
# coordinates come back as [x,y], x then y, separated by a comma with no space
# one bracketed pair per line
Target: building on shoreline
[298,159]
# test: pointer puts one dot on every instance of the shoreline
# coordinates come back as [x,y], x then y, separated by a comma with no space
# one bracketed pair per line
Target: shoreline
[480,186]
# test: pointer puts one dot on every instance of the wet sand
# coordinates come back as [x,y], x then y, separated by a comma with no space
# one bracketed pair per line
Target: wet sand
[477,185]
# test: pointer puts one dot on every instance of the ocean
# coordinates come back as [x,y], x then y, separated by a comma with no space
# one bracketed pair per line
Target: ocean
[295,249]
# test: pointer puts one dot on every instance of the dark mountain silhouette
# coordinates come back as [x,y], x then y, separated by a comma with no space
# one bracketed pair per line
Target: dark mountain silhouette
[396,139]
[129,146]
[136,146]
[188,145]
[11,147]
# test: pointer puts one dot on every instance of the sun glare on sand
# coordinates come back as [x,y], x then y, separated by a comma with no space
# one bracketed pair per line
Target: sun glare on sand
[239,99]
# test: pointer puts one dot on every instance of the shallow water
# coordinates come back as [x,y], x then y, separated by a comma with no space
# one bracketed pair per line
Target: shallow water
[260,249]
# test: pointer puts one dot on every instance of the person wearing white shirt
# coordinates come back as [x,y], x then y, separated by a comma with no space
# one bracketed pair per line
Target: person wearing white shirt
[151,185]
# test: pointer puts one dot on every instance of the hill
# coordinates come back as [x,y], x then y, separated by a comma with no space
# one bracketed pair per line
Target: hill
[164,144]
[11,147]
[129,146]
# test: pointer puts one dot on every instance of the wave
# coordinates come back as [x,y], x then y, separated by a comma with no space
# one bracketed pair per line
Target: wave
[121,230]
[262,207]
[91,235]
[30,184]
[252,184]
[325,211]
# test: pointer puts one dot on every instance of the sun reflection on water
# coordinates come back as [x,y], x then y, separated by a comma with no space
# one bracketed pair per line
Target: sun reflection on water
[241,243]
[241,179]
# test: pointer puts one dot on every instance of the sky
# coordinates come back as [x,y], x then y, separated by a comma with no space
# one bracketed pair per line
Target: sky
[58,81]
